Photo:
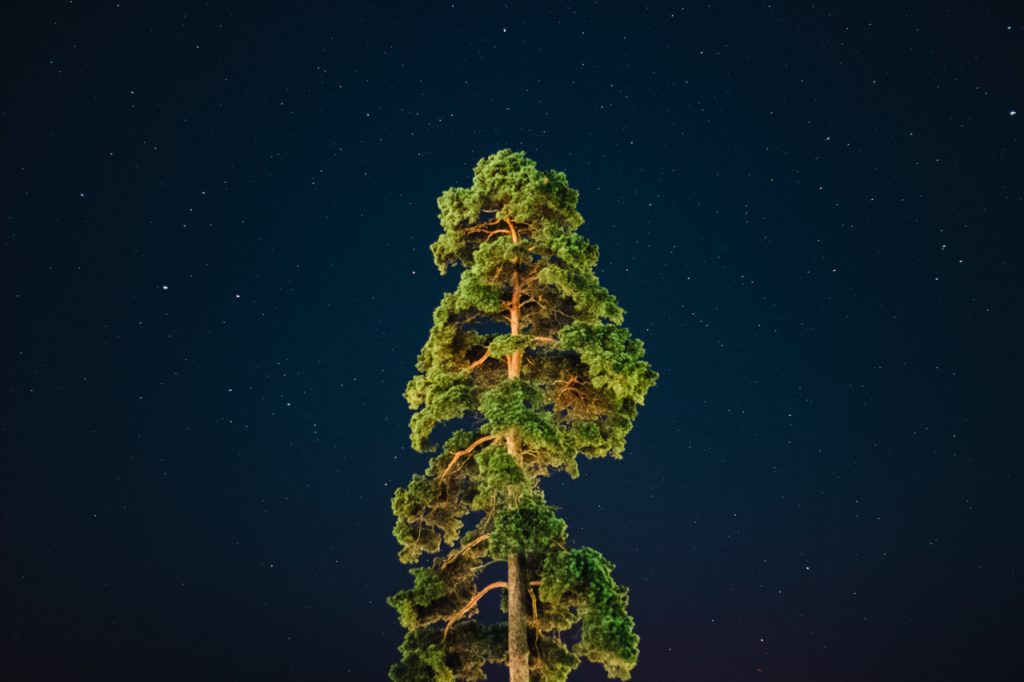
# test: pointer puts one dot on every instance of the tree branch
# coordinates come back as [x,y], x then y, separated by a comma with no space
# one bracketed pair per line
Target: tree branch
[476,541]
[482,227]
[476,363]
[494,232]
[482,567]
[472,602]
[461,453]
[536,625]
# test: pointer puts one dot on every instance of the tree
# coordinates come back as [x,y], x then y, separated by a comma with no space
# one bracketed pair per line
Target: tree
[529,366]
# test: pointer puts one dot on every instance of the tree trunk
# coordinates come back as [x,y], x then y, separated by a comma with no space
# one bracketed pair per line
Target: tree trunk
[518,586]
[518,646]
[518,581]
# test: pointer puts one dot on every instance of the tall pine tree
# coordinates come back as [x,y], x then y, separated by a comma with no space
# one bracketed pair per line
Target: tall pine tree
[529,366]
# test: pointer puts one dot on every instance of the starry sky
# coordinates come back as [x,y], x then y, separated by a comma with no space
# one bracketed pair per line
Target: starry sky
[216,220]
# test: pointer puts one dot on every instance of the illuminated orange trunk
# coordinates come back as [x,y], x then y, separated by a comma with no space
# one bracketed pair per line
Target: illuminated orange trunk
[518,646]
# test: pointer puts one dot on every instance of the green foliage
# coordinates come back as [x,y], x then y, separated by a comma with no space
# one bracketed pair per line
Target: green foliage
[531,526]
[477,293]
[412,507]
[554,660]
[469,646]
[521,401]
[427,588]
[582,578]
[421,662]
[613,357]
[504,345]
[508,185]
[572,249]
[501,479]
[517,404]
[590,301]
[439,396]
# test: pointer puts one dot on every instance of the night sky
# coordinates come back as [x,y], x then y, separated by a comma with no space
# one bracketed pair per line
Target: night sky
[216,279]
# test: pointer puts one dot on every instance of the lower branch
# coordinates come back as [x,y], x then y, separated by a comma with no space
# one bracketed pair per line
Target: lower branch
[476,363]
[476,541]
[482,227]
[462,453]
[472,602]
[536,626]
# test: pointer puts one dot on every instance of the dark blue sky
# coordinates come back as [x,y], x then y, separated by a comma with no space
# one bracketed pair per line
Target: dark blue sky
[216,279]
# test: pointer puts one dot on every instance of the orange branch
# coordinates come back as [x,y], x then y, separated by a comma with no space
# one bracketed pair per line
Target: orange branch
[476,541]
[537,625]
[482,227]
[471,604]
[494,232]
[461,453]
[515,359]
[476,363]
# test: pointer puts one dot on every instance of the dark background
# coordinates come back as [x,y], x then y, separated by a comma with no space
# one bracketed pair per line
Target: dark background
[216,279]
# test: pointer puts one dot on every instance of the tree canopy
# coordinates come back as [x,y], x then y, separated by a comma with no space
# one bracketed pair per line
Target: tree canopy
[527,367]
